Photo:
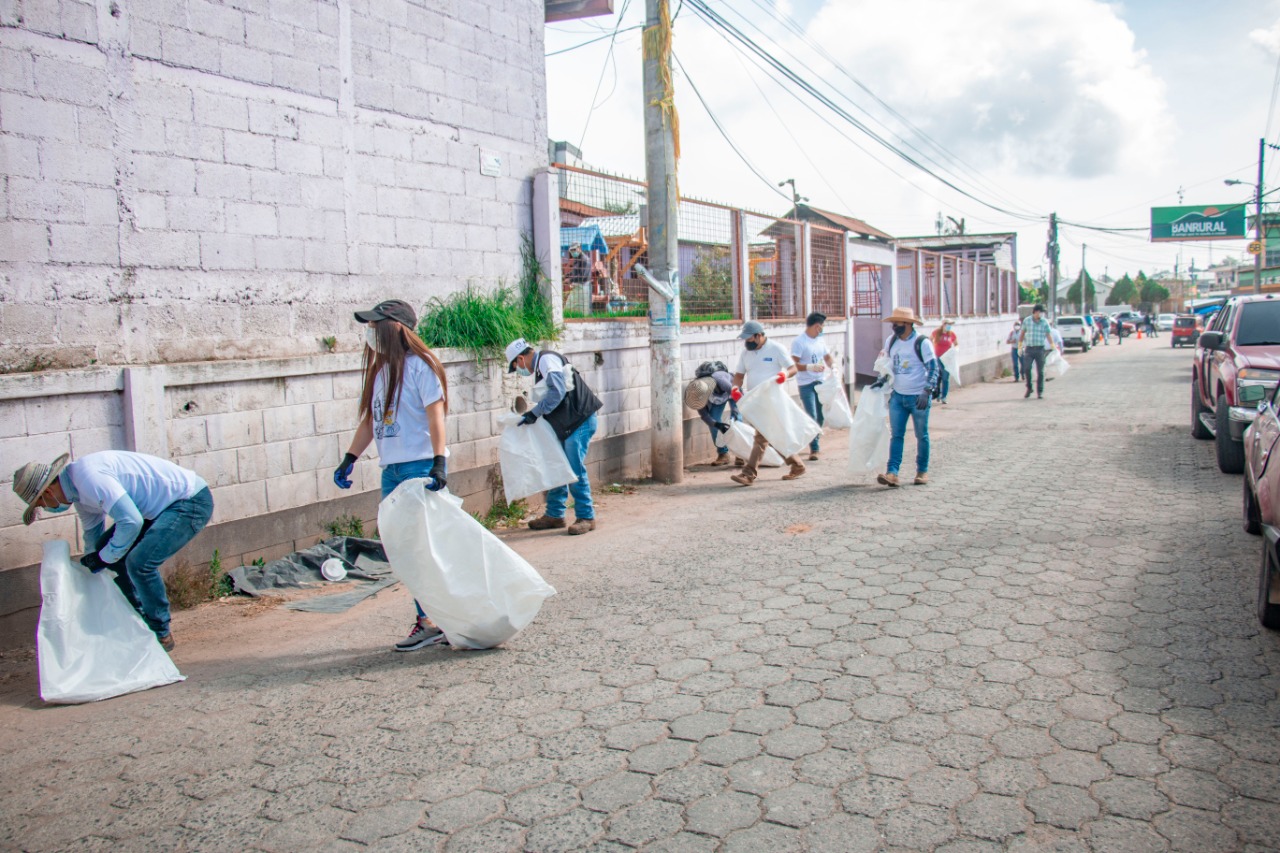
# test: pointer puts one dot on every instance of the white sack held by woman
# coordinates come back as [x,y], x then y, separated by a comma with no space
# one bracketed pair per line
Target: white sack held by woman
[1055,365]
[951,362]
[777,417]
[90,643]
[740,438]
[471,585]
[532,459]
[836,412]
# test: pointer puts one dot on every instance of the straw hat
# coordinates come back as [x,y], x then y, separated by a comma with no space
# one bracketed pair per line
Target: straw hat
[698,392]
[904,314]
[31,480]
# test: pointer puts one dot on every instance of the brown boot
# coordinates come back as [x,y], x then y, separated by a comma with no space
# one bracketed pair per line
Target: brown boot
[581,526]
[738,462]
[922,479]
[796,472]
[167,642]
[742,479]
[721,460]
[546,522]
[887,480]
[813,457]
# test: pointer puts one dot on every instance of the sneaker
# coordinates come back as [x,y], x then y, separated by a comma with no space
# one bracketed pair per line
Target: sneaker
[813,457]
[546,522]
[742,479]
[421,635]
[796,472]
[887,480]
[581,526]
[721,461]
[166,642]
[922,479]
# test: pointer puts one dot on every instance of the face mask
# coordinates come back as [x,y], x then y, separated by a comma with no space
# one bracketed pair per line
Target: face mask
[523,371]
[899,329]
[57,509]
[753,346]
[371,337]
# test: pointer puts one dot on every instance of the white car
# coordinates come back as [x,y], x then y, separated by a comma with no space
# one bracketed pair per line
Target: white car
[1164,322]
[1075,332]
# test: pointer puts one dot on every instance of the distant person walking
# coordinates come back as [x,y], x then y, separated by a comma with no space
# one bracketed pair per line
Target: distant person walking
[915,376]
[943,339]
[1014,355]
[1036,337]
[1119,331]
[809,352]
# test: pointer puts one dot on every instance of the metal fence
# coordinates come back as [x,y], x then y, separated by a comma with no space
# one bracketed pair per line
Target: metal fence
[866,290]
[826,270]
[937,285]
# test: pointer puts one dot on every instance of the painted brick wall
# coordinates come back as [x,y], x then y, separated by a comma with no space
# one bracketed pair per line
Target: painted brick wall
[192,180]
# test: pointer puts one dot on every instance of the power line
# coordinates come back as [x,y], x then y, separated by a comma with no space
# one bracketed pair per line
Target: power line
[607,59]
[594,40]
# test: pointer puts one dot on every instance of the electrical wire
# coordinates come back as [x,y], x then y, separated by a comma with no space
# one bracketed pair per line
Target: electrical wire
[1275,88]
[607,60]
[593,41]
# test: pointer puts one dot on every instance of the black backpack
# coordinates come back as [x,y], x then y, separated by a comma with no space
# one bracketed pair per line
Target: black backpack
[709,367]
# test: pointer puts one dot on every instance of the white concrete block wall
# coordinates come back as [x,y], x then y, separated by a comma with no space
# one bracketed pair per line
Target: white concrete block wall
[188,180]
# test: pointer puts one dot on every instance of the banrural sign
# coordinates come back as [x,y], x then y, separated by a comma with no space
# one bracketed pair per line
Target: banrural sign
[1215,222]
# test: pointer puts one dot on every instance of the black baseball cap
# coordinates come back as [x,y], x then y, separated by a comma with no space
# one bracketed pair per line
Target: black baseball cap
[392,309]
[815,317]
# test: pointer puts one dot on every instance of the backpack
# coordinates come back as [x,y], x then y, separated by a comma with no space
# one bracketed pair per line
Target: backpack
[709,367]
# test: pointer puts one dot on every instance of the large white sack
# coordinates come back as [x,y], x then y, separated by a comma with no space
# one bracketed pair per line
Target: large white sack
[777,417]
[472,586]
[1055,365]
[869,435]
[835,403]
[951,362]
[740,438]
[90,643]
[532,458]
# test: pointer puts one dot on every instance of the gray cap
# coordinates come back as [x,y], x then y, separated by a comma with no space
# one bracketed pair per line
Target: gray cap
[749,328]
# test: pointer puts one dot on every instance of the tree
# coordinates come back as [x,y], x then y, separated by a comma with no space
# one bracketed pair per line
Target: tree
[1152,293]
[1026,295]
[1123,293]
[1073,292]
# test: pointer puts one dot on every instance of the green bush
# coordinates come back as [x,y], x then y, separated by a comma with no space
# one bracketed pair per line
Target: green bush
[346,525]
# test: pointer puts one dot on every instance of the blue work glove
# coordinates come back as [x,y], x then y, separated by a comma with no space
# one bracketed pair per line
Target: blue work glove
[527,418]
[342,475]
[93,562]
[922,402]
[437,474]
[879,383]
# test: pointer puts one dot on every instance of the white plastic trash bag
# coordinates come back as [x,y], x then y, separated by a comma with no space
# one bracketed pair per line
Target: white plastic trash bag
[869,435]
[777,417]
[90,643]
[472,586]
[741,438]
[532,458]
[951,362]
[835,403]
[1055,365]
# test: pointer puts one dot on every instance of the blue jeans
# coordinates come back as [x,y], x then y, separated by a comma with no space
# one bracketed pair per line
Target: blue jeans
[395,474]
[1017,364]
[901,407]
[813,406]
[944,381]
[138,572]
[716,412]
[575,447]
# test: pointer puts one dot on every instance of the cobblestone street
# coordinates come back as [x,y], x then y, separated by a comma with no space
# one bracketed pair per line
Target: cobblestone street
[1050,647]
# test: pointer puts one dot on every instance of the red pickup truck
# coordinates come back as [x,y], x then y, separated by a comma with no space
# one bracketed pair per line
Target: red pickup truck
[1237,364]
[1262,505]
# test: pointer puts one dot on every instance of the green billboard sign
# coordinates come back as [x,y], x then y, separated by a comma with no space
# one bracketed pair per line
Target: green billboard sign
[1212,222]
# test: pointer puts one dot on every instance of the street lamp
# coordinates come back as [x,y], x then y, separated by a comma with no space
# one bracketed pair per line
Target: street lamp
[1257,225]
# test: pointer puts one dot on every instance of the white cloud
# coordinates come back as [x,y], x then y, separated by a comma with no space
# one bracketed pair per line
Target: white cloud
[1268,39]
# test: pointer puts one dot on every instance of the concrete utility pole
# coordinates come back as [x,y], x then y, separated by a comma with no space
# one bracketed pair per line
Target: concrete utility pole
[666,409]
[1053,266]
[1084,298]
[1257,259]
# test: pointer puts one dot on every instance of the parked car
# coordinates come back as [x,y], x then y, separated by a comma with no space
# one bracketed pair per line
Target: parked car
[1186,328]
[1075,333]
[1127,325]
[1241,349]
[1261,508]
[1164,322]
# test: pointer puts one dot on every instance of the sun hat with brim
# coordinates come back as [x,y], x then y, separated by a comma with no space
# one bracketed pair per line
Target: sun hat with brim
[698,392]
[31,480]
[903,314]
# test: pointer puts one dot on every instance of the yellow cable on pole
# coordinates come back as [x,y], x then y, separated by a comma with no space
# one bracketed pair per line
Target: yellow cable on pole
[657,46]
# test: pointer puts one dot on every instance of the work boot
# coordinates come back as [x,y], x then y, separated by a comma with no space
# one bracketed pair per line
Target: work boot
[738,462]
[581,526]
[922,479]
[721,461]
[796,472]
[813,457]
[167,642]
[546,522]
[890,480]
[742,479]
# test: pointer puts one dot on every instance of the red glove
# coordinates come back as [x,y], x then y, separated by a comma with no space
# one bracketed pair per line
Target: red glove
[782,377]
[735,394]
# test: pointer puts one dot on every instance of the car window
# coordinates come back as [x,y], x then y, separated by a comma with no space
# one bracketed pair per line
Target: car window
[1070,321]
[1220,320]
[1259,324]
[1185,322]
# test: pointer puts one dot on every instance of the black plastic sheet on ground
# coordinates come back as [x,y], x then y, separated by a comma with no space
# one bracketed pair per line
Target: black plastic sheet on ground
[368,573]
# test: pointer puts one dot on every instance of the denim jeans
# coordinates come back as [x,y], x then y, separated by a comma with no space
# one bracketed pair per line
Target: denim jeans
[901,407]
[138,572]
[813,406]
[575,447]
[1017,364]
[716,411]
[1034,357]
[944,381]
[395,474]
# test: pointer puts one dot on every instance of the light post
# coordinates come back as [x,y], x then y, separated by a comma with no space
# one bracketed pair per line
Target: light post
[1257,221]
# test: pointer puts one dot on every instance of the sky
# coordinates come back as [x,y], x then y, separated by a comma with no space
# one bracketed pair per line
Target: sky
[1094,110]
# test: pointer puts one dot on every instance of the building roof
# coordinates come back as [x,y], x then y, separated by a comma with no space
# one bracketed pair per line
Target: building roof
[581,209]
[955,241]
[847,223]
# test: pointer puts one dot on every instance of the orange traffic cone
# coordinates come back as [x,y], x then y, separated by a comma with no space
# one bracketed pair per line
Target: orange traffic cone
[1139,333]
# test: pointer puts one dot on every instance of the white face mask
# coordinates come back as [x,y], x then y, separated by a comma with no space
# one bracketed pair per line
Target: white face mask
[371,337]
[523,371]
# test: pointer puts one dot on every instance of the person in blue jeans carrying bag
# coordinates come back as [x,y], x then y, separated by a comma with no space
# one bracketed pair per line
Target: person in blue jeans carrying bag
[403,403]
[915,376]
[809,352]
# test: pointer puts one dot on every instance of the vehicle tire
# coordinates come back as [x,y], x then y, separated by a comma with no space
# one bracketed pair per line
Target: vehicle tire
[1198,429]
[1230,453]
[1268,578]
[1252,517]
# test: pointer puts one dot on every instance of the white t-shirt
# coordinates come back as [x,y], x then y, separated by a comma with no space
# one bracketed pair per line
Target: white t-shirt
[809,351]
[100,479]
[763,364]
[403,434]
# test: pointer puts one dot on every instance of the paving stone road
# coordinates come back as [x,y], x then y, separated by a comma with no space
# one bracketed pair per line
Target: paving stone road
[1050,647]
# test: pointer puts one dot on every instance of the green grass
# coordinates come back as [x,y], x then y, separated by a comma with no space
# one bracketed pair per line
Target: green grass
[346,525]
[503,514]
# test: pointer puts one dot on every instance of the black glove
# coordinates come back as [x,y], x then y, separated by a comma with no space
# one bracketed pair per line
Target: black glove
[722,427]
[879,383]
[342,475]
[527,418]
[922,402]
[93,562]
[437,474]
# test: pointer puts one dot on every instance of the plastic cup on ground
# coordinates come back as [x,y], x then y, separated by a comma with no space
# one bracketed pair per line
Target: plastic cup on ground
[333,570]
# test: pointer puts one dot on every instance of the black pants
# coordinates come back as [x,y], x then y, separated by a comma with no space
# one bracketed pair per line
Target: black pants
[1034,357]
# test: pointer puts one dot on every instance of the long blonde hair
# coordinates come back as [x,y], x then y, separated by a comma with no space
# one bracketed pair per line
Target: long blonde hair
[396,343]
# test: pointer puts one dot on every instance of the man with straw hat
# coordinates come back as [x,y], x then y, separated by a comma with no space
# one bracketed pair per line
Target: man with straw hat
[157,507]
[915,376]
[707,395]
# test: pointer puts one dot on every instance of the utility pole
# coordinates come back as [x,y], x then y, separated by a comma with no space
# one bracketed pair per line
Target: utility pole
[1053,266]
[661,148]
[1083,279]
[1257,259]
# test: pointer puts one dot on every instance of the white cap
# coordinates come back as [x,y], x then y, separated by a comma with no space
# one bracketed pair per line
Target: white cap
[514,348]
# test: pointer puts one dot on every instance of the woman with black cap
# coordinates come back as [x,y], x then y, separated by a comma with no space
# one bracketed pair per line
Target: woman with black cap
[403,402]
